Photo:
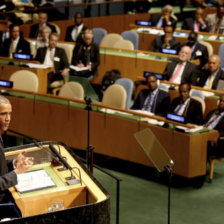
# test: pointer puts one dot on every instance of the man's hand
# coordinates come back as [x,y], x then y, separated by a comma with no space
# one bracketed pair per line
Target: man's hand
[23,163]
[64,72]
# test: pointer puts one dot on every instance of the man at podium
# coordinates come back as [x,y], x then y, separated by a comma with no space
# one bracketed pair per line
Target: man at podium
[9,168]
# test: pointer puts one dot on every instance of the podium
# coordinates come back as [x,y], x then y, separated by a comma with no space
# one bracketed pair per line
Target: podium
[85,200]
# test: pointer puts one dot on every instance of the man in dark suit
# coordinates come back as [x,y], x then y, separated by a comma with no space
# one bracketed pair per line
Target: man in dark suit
[187,107]
[167,18]
[74,32]
[167,41]
[199,51]
[86,54]
[9,168]
[54,57]
[197,24]
[215,120]
[211,76]
[153,99]
[35,29]
[182,70]
[15,44]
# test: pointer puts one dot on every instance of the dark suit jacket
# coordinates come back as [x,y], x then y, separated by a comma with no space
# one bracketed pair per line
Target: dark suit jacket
[69,31]
[188,24]
[200,52]
[158,42]
[154,19]
[189,74]
[34,30]
[193,111]
[8,178]
[79,56]
[220,126]
[59,53]
[161,104]
[205,75]
[23,47]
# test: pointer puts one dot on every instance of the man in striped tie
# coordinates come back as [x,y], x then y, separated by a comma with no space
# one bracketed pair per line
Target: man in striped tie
[215,120]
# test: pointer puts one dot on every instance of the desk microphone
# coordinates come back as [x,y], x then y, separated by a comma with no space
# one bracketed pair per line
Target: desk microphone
[70,180]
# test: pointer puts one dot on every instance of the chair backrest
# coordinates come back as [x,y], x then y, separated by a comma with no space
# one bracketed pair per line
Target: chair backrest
[128,85]
[57,28]
[110,39]
[132,36]
[124,44]
[98,34]
[221,54]
[115,95]
[32,47]
[68,50]
[209,47]
[72,90]
[199,99]
[25,80]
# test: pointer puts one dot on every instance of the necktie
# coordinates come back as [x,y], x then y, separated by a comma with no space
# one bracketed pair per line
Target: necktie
[209,84]
[197,27]
[52,55]
[176,73]
[1,141]
[213,120]
[179,107]
[12,49]
[148,103]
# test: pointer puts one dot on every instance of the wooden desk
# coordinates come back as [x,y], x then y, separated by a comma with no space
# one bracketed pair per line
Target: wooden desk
[7,70]
[79,197]
[111,135]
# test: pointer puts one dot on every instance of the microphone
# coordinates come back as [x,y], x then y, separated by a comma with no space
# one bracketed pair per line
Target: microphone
[70,180]
[55,161]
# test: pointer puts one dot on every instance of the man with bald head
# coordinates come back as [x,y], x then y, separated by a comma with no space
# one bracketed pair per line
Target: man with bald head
[211,76]
[182,71]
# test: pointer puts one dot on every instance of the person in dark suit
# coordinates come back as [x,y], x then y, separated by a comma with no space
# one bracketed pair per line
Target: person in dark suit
[167,18]
[15,44]
[153,99]
[199,51]
[167,41]
[182,70]
[197,24]
[86,54]
[35,29]
[215,120]
[211,76]
[74,32]
[187,107]
[54,57]
[9,168]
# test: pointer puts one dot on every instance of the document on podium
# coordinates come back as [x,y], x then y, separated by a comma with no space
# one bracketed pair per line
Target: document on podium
[153,149]
[33,180]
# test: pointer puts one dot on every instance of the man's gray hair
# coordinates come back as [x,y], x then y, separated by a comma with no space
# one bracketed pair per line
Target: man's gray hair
[4,100]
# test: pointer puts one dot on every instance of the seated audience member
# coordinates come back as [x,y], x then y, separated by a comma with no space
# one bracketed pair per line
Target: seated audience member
[215,120]
[187,107]
[153,99]
[216,20]
[15,44]
[200,3]
[199,51]
[42,22]
[54,57]
[167,18]
[211,76]
[165,41]
[74,32]
[196,24]
[86,54]
[43,40]
[182,70]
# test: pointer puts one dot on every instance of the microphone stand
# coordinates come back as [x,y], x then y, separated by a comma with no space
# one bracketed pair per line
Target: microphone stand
[168,171]
[89,149]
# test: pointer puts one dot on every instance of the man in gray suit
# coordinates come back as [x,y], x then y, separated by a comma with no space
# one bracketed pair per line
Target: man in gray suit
[9,168]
